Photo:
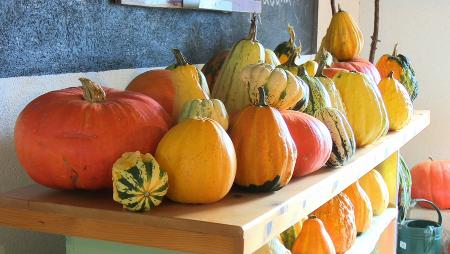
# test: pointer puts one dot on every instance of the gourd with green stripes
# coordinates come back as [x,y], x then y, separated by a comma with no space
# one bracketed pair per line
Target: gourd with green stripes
[318,95]
[344,145]
[139,184]
[205,108]
[335,96]
[229,87]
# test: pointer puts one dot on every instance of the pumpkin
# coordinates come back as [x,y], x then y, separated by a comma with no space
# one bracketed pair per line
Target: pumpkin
[70,138]
[388,170]
[377,191]
[338,217]
[344,146]
[212,68]
[271,58]
[430,180]
[274,246]
[288,236]
[343,39]
[200,160]
[310,67]
[229,87]
[157,84]
[318,95]
[282,88]
[284,50]
[360,65]
[189,83]
[265,150]
[210,108]
[312,139]
[331,72]
[362,206]
[313,239]
[403,71]
[139,184]
[366,112]
[335,96]
[397,101]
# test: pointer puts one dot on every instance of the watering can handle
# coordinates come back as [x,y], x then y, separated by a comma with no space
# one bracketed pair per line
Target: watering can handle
[419,200]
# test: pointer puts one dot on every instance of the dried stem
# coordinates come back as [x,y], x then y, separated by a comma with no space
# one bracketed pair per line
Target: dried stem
[333,6]
[376,21]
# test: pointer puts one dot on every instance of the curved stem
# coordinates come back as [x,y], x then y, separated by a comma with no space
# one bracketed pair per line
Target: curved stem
[394,52]
[181,60]
[339,8]
[430,158]
[262,97]
[391,74]
[291,32]
[91,91]
[295,52]
[312,216]
[253,29]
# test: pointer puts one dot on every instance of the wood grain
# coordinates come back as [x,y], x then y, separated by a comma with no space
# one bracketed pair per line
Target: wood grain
[240,223]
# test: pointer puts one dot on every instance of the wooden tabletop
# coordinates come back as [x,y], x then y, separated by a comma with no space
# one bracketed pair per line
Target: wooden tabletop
[240,223]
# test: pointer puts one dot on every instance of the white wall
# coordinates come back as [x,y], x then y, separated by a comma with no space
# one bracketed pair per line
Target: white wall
[422,29]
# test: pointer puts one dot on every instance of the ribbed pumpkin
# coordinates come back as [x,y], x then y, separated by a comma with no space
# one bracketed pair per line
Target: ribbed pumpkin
[212,68]
[388,170]
[70,138]
[266,153]
[209,108]
[189,83]
[335,96]
[403,71]
[271,58]
[229,87]
[318,95]
[313,141]
[377,191]
[139,184]
[200,159]
[344,146]
[282,88]
[284,50]
[430,180]
[288,236]
[366,112]
[338,217]
[343,39]
[362,65]
[397,101]
[362,206]
[313,239]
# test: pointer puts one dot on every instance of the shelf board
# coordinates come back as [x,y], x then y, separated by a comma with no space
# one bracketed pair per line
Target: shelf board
[240,223]
[367,241]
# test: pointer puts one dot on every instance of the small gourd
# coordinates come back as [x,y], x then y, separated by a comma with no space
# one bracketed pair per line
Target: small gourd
[209,108]
[284,50]
[313,239]
[377,191]
[271,58]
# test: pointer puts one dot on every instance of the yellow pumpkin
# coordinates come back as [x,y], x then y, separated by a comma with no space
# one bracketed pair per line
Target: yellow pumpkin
[282,88]
[398,103]
[338,217]
[375,187]
[335,96]
[344,40]
[189,83]
[366,112]
[271,58]
[200,160]
[313,239]
[209,108]
[266,153]
[388,170]
[361,204]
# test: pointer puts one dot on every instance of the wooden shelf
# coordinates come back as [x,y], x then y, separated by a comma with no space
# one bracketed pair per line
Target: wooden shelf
[240,223]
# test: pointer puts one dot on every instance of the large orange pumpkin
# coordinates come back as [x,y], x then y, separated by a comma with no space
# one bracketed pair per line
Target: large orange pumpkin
[70,138]
[265,150]
[431,181]
[338,217]
[360,65]
[312,139]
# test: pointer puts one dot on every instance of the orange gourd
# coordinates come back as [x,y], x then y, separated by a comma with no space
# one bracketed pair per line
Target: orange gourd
[313,239]
[377,191]
[362,206]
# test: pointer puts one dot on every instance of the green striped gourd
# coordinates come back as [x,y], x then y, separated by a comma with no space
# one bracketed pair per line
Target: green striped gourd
[288,236]
[205,108]
[139,184]
[229,87]
[318,95]
[344,145]
[335,96]
[284,50]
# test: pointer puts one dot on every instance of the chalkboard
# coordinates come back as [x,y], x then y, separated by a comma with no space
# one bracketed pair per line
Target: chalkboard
[48,37]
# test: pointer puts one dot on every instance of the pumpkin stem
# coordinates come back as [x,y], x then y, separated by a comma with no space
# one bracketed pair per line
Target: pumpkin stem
[339,7]
[181,60]
[294,55]
[312,216]
[253,29]
[91,91]
[262,97]
[391,74]
[322,62]
[394,52]
[430,158]
[291,35]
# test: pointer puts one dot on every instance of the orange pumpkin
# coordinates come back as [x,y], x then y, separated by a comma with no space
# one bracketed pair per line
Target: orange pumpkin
[338,217]
[360,65]
[265,150]
[313,239]
[362,206]
[312,139]
[70,138]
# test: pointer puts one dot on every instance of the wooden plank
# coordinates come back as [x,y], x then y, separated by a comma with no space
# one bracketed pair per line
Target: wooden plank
[241,222]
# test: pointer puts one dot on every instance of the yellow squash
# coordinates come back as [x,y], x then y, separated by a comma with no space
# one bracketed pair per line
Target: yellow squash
[271,58]
[229,87]
[343,39]
[366,112]
[388,170]
[311,67]
[375,187]
[361,204]
[189,83]
[200,160]
[398,103]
